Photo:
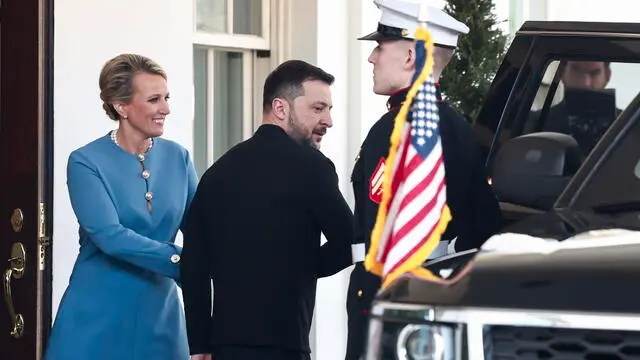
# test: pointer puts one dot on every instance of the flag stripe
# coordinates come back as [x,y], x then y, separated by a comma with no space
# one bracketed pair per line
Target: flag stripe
[403,239]
[426,226]
[425,172]
[421,202]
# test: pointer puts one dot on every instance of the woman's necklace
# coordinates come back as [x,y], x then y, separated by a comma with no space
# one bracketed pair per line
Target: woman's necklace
[114,137]
[146,173]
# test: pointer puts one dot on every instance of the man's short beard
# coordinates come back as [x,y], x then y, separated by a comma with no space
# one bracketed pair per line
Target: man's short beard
[297,133]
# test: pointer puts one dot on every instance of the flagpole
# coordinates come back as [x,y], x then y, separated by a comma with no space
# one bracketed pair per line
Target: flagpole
[423,15]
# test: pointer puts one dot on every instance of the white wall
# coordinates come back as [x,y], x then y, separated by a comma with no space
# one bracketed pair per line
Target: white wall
[332,53]
[594,10]
[87,34]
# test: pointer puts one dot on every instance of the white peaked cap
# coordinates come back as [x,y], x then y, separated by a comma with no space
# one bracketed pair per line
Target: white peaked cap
[401,18]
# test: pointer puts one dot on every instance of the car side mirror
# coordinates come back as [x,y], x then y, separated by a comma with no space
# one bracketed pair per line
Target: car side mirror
[532,170]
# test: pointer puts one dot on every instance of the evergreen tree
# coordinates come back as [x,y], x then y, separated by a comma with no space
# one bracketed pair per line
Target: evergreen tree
[466,80]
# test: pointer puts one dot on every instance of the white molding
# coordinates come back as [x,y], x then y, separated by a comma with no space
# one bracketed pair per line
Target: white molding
[247,95]
[230,11]
[210,106]
[237,41]
[280,31]
[249,42]
[266,21]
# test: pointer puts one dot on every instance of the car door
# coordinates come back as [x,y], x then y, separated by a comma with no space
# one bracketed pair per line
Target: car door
[547,64]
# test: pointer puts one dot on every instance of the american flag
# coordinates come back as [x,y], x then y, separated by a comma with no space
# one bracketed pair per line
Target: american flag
[413,213]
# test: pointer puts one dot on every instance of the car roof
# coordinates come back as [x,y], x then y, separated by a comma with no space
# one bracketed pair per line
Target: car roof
[582,27]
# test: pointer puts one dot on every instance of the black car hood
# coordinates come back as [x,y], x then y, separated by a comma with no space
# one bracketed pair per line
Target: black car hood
[584,277]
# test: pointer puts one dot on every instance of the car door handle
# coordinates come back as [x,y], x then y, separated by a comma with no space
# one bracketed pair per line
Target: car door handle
[16,268]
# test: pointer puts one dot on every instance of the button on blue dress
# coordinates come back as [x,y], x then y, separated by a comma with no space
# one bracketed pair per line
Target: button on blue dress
[122,301]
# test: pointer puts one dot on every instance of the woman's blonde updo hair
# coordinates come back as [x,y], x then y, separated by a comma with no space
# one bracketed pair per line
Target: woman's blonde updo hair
[116,79]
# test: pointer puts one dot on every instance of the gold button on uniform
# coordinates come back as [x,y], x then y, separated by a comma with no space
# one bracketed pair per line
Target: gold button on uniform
[148,196]
[175,258]
[140,157]
[145,174]
[359,293]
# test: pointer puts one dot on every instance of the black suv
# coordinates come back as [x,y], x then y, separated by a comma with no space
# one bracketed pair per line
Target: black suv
[560,129]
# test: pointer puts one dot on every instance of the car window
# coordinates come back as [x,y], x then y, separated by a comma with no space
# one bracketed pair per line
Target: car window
[576,97]
[617,180]
[582,98]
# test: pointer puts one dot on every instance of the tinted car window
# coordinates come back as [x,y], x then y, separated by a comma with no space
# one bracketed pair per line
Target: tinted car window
[582,98]
[617,180]
[577,97]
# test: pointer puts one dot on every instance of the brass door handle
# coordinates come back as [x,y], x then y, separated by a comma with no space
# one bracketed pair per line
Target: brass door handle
[16,268]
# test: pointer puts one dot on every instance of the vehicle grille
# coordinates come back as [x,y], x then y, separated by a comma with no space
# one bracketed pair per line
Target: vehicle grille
[509,342]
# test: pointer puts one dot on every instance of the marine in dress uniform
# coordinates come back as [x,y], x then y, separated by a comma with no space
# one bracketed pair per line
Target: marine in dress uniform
[475,210]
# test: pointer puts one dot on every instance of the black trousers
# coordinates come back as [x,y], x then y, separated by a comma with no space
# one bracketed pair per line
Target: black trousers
[363,286]
[358,323]
[257,353]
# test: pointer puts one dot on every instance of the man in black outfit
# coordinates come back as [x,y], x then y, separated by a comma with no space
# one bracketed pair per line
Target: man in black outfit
[254,227]
[475,211]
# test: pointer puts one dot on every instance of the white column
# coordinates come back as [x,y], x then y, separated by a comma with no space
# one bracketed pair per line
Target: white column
[332,55]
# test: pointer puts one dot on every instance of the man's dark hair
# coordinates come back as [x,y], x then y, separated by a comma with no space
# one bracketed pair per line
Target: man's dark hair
[286,80]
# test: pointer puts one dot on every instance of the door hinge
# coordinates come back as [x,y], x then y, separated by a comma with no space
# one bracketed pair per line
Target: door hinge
[43,239]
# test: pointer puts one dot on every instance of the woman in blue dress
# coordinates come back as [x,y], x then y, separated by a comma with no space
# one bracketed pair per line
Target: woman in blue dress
[130,190]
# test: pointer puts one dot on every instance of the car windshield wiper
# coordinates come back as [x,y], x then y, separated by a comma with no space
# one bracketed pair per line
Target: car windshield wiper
[617,207]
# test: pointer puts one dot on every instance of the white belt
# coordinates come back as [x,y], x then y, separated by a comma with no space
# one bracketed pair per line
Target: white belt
[357,252]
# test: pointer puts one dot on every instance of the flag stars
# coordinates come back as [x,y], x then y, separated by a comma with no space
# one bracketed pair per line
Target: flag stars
[424,123]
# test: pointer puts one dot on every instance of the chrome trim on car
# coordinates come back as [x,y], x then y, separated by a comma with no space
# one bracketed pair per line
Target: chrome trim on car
[475,319]
[489,316]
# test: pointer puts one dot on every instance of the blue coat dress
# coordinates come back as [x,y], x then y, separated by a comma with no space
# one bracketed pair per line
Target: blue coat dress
[122,301]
